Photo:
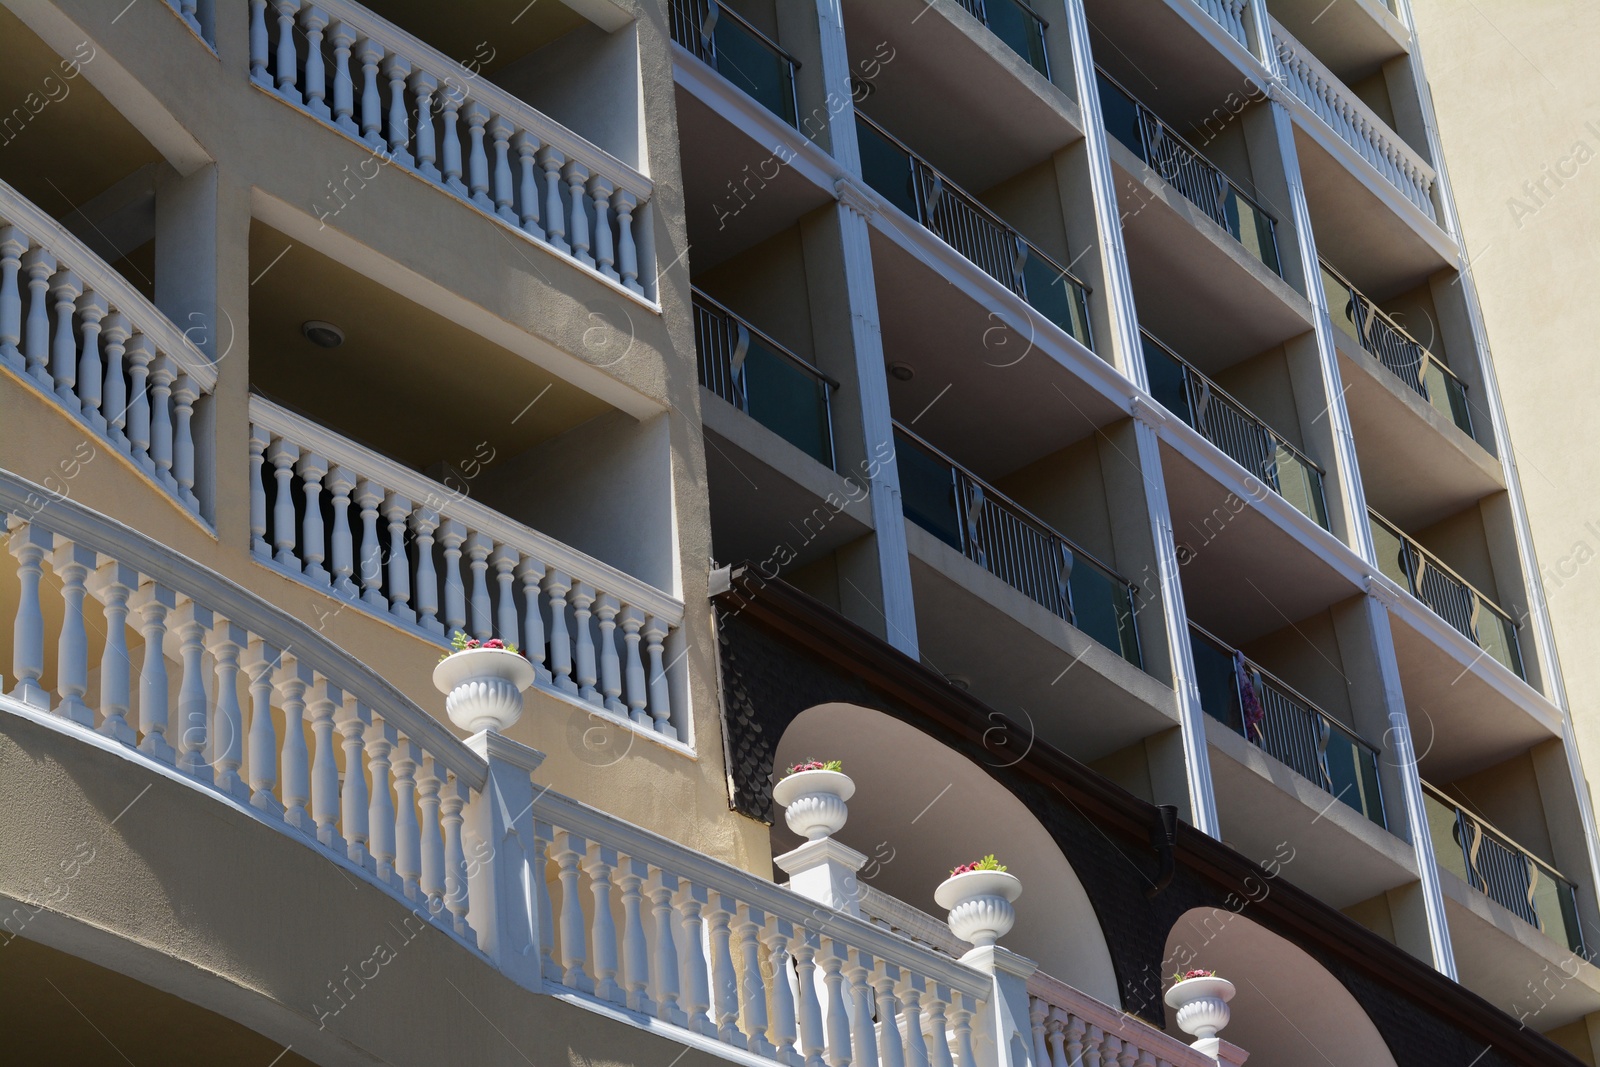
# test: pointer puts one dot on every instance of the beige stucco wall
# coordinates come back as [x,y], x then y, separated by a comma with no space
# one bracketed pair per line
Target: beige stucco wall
[1518,103]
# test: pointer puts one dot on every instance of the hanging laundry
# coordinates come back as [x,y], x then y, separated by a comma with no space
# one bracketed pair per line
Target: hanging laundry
[1249,703]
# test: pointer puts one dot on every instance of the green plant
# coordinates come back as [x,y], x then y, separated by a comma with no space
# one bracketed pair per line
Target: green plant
[988,863]
[460,642]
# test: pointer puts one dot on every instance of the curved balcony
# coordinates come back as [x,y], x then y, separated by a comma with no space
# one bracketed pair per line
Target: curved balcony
[77,332]
[726,42]
[469,137]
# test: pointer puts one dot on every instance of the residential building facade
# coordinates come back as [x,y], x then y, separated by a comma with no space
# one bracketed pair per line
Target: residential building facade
[1077,419]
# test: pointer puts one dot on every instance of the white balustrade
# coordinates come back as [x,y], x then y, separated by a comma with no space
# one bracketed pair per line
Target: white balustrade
[1353,121]
[78,332]
[593,633]
[1072,1028]
[215,666]
[421,110]
[1229,14]
[199,16]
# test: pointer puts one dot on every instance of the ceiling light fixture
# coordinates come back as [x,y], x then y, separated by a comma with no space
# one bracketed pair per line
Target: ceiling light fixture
[902,372]
[322,334]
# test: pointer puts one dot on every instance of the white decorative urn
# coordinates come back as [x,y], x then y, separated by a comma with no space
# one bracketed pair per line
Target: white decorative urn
[1201,1005]
[814,802]
[979,903]
[483,687]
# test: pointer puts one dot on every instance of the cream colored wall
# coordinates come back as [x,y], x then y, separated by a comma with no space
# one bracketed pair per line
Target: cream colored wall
[408,235]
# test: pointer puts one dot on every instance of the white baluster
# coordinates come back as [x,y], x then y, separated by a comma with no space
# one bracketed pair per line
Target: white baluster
[1055,1041]
[696,982]
[638,690]
[112,584]
[938,1028]
[140,352]
[315,20]
[40,266]
[162,374]
[368,497]
[396,510]
[1038,1012]
[423,86]
[452,797]
[313,541]
[577,217]
[664,958]
[92,308]
[858,973]
[451,536]
[601,189]
[352,719]
[478,548]
[635,959]
[285,55]
[606,608]
[292,679]
[556,586]
[13,242]
[627,249]
[260,48]
[582,598]
[261,660]
[555,223]
[342,37]
[499,135]
[283,455]
[368,55]
[450,137]
[600,862]
[114,333]
[225,641]
[431,879]
[397,69]
[777,937]
[891,1046]
[531,572]
[407,833]
[65,288]
[804,946]
[154,603]
[837,1047]
[29,544]
[423,522]
[341,558]
[505,560]
[184,395]
[477,159]
[655,631]
[568,852]
[326,699]
[380,808]
[961,1026]
[724,978]
[526,145]
[544,843]
[190,623]
[752,987]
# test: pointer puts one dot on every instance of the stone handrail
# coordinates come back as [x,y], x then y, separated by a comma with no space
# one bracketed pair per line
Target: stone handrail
[346,65]
[562,607]
[215,663]
[80,333]
[1355,123]
[1070,1027]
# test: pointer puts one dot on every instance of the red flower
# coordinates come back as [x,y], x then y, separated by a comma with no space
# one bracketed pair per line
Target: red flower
[494,642]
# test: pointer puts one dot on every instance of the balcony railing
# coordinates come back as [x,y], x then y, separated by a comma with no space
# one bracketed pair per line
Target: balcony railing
[562,607]
[1015,23]
[907,181]
[1353,121]
[722,39]
[1229,425]
[1230,15]
[1024,552]
[1404,356]
[200,16]
[561,897]
[1446,593]
[1503,870]
[462,133]
[1287,726]
[764,379]
[98,349]
[1182,166]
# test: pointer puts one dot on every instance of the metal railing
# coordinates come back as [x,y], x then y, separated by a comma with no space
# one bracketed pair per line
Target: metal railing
[1449,596]
[1229,425]
[1502,870]
[1021,550]
[1404,356]
[1182,166]
[722,39]
[956,217]
[1018,25]
[764,379]
[1287,726]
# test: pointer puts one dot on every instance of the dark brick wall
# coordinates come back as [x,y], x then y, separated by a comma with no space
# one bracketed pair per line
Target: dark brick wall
[768,681]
